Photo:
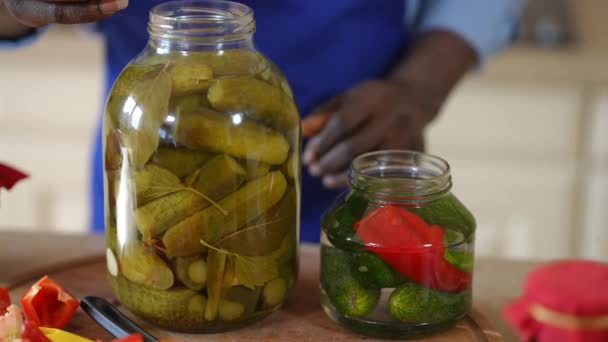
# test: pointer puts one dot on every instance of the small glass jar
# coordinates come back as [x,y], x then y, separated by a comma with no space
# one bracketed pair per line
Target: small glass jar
[202,181]
[397,248]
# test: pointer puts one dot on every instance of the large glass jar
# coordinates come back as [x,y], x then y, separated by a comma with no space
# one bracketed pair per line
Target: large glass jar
[397,248]
[202,180]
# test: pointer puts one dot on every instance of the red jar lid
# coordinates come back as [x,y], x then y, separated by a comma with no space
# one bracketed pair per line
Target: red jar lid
[563,301]
[576,287]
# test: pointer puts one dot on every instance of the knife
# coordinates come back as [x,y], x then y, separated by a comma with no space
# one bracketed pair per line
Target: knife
[111,319]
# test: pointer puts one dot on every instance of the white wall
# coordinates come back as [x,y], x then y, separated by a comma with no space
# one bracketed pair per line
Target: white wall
[50,99]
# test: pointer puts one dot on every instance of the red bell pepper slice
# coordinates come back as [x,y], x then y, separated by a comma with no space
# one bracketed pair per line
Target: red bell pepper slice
[412,247]
[48,305]
[10,176]
[32,333]
[5,300]
[131,338]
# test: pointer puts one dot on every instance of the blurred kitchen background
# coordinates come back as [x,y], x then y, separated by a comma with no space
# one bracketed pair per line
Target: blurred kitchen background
[526,135]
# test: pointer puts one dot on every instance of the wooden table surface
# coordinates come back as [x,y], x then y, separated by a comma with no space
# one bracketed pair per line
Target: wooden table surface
[496,281]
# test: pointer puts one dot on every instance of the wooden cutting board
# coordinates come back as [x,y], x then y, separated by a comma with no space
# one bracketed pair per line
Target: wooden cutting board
[302,318]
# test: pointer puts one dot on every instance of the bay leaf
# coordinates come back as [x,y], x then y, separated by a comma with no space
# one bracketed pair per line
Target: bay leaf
[265,233]
[142,114]
[123,86]
[153,182]
[255,271]
[252,271]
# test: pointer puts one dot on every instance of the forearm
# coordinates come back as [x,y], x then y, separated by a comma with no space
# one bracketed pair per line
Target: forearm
[431,69]
[10,28]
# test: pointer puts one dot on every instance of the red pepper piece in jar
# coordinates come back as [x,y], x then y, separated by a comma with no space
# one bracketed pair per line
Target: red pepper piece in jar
[48,305]
[412,247]
[5,300]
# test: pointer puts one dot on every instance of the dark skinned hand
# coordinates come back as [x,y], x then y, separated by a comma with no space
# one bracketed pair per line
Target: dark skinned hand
[389,113]
[374,115]
[38,13]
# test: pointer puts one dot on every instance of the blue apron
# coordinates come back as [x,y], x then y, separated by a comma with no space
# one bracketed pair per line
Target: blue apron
[323,48]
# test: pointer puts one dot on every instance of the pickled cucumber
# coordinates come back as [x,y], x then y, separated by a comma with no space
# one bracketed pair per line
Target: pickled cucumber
[463,259]
[190,78]
[228,62]
[339,223]
[216,262]
[230,311]
[345,292]
[260,100]
[161,214]
[246,296]
[291,167]
[449,213]
[274,292]
[372,271]
[219,177]
[416,304]
[230,274]
[143,266]
[181,162]
[266,232]
[210,225]
[176,309]
[191,271]
[287,257]
[153,182]
[255,169]
[217,132]
[188,103]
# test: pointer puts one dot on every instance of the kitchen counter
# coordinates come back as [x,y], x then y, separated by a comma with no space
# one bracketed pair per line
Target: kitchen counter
[496,281]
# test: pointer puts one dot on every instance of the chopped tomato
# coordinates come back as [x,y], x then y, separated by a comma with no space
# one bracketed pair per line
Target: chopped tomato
[32,333]
[131,338]
[5,300]
[48,305]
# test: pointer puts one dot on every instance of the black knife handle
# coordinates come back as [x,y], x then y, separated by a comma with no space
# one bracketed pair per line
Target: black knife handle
[108,316]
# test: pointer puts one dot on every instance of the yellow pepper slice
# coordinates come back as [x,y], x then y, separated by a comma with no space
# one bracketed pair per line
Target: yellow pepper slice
[57,335]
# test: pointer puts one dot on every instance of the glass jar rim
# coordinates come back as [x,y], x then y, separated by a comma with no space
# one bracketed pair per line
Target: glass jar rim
[201,20]
[401,175]
[204,10]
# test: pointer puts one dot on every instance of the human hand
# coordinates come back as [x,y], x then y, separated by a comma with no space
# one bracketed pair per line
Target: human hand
[38,13]
[374,115]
